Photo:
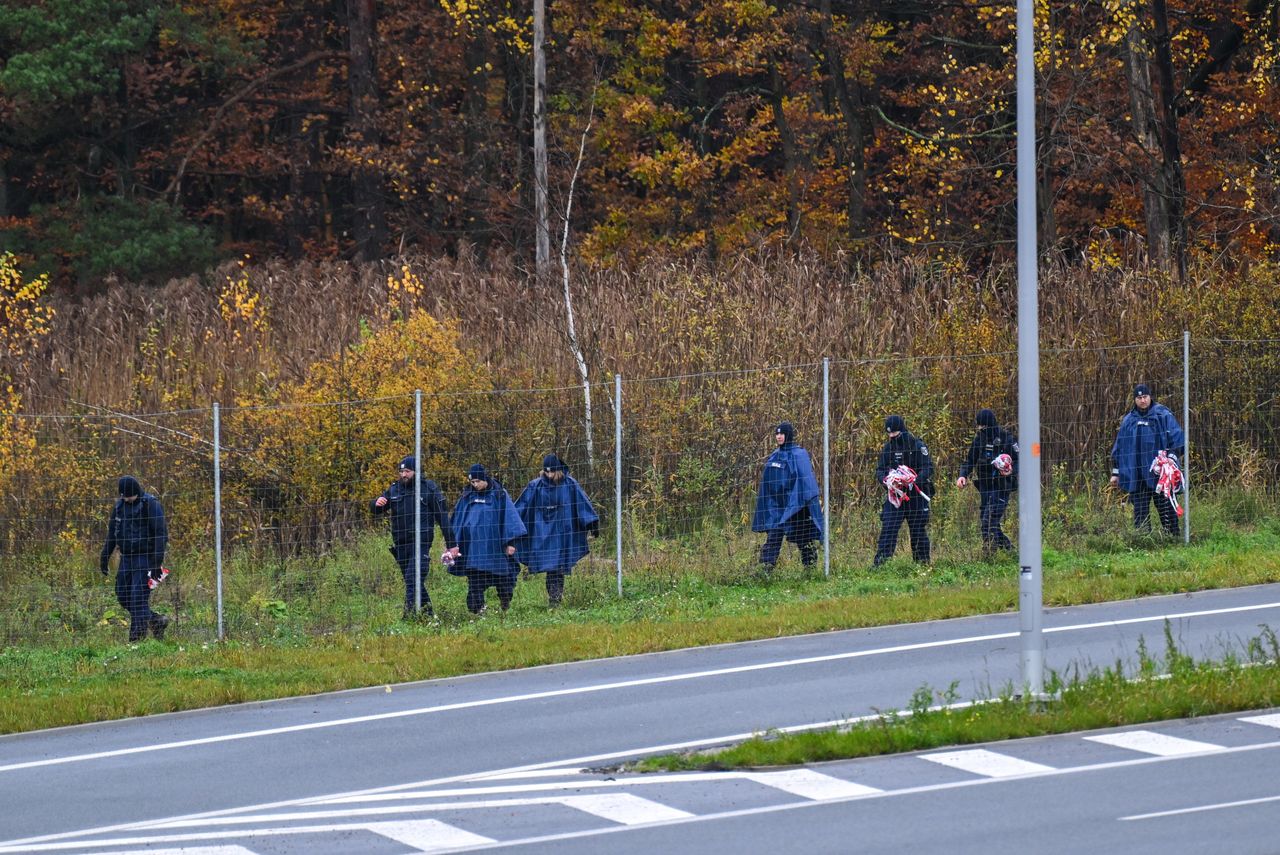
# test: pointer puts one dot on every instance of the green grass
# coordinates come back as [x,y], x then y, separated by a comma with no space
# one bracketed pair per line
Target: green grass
[295,632]
[1177,687]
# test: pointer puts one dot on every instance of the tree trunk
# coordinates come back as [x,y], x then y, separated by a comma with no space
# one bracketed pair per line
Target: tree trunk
[849,99]
[1142,115]
[475,142]
[370,225]
[571,328]
[1172,177]
[776,93]
[1153,104]
[542,266]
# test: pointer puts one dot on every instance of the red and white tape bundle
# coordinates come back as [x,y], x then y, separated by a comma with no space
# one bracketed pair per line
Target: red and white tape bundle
[1168,478]
[1003,464]
[900,481]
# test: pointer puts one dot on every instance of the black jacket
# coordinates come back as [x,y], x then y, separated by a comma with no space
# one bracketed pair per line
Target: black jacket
[906,448]
[431,513]
[988,444]
[139,531]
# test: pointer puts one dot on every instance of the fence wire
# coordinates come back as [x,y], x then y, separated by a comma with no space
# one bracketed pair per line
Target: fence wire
[303,555]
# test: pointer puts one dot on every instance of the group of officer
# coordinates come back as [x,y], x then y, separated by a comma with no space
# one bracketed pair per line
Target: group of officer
[488,536]
[787,506]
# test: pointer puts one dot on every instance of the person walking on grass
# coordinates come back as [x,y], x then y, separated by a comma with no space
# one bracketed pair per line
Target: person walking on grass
[398,502]
[992,462]
[787,506]
[905,469]
[486,527]
[138,530]
[1145,431]
[558,516]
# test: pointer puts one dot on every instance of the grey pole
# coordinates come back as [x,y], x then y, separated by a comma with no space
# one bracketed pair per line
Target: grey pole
[417,499]
[1030,582]
[826,466]
[217,511]
[1186,431]
[617,474]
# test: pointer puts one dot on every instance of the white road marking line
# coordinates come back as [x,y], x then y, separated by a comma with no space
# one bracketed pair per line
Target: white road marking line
[1150,742]
[427,835]
[1272,720]
[800,782]
[604,687]
[600,805]
[225,833]
[191,850]
[449,779]
[21,846]
[809,784]
[1201,808]
[532,773]
[624,808]
[909,791]
[989,764]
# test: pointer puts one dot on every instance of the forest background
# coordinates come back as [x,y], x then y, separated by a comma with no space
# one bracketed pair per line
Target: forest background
[279,203]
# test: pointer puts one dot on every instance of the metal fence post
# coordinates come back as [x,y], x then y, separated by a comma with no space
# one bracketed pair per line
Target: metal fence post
[1186,433]
[417,500]
[826,465]
[217,511]
[617,474]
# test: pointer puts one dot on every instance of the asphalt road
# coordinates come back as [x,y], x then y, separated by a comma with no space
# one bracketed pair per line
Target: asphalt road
[64,788]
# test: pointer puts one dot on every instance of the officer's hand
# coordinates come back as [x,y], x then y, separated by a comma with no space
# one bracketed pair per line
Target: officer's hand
[511,550]
[961,481]
[104,567]
[380,502]
[1115,480]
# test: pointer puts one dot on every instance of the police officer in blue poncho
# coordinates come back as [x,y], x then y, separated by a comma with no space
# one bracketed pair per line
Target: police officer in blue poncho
[397,500]
[787,505]
[1146,430]
[558,516]
[137,528]
[486,527]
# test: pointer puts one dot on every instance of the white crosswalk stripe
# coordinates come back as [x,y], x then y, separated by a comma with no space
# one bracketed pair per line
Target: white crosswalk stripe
[989,764]
[1150,742]
[809,784]
[1272,720]
[427,835]
[623,808]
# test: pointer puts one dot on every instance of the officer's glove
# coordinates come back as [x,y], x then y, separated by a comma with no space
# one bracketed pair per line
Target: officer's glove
[104,566]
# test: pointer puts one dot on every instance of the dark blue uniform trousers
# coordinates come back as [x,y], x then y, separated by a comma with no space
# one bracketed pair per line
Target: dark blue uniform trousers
[1142,497]
[404,557]
[991,507]
[916,513]
[134,595]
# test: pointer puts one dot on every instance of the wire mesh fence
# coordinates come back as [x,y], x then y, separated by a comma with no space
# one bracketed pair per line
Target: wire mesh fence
[301,554]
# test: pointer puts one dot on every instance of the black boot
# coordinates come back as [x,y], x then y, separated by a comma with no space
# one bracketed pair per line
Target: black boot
[159,623]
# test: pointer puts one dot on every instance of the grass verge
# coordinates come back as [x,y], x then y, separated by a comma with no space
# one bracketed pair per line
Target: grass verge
[51,686]
[1177,687]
